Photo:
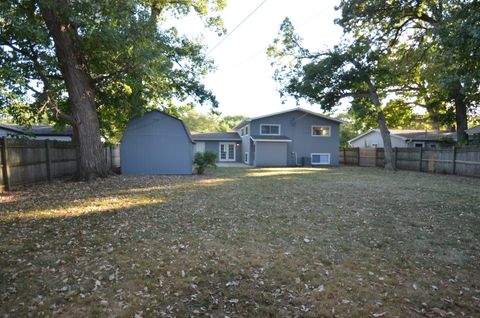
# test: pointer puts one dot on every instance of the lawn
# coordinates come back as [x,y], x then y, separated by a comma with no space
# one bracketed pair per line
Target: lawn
[341,242]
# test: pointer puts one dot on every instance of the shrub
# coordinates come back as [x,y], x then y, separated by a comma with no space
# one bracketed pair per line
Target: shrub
[204,160]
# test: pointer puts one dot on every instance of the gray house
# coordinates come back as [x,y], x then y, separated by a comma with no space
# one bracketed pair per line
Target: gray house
[289,138]
[156,143]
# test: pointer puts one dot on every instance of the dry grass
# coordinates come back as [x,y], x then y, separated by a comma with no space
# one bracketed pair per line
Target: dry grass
[244,242]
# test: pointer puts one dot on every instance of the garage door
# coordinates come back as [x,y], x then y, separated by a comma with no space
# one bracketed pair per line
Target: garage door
[271,154]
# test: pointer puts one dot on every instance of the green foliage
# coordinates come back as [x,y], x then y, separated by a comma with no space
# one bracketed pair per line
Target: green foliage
[211,122]
[204,160]
[135,63]
[438,44]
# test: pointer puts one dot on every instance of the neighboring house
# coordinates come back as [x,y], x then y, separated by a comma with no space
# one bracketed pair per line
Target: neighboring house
[156,143]
[288,138]
[473,132]
[402,138]
[35,132]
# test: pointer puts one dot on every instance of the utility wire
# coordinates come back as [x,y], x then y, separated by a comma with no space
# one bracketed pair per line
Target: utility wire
[238,25]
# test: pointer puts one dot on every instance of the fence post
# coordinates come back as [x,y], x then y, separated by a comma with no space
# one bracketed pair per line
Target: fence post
[358,155]
[48,160]
[5,167]
[376,156]
[421,159]
[454,160]
[395,155]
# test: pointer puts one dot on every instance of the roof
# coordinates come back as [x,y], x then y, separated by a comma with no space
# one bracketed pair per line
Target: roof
[410,134]
[273,138]
[37,130]
[473,130]
[217,136]
[247,120]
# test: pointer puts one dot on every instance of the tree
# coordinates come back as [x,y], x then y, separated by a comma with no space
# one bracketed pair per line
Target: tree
[93,65]
[441,36]
[211,122]
[353,70]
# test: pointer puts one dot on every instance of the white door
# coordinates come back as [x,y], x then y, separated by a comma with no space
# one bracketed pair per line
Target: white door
[227,151]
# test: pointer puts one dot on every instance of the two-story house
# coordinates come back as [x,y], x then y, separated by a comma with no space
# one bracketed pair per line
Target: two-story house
[289,138]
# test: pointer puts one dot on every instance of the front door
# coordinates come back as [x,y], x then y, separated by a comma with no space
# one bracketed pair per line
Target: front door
[227,151]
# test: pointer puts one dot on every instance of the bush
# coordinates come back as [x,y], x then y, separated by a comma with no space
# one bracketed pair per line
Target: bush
[204,160]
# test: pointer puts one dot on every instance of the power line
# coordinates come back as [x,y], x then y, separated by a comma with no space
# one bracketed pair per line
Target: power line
[238,25]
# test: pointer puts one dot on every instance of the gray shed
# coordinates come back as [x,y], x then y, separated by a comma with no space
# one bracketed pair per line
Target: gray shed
[156,143]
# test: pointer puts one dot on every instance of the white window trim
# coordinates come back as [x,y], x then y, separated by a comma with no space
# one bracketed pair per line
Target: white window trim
[279,129]
[247,127]
[375,145]
[247,155]
[321,126]
[415,143]
[220,151]
[321,154]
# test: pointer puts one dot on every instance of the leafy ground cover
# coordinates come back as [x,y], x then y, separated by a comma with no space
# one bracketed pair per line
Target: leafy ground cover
[338,242]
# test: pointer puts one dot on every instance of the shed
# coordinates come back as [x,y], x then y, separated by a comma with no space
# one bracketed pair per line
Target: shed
[156,143]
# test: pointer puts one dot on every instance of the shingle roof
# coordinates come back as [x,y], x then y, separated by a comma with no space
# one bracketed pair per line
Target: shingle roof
[247,120]
[473,130]
[270,138]
[216,136]
[422,134]
[37,130]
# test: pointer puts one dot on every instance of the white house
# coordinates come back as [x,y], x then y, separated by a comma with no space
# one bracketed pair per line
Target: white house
[402,138]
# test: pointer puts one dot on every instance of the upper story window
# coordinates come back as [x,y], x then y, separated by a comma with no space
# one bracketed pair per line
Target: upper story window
[321,131]
[246,130]
[267,129]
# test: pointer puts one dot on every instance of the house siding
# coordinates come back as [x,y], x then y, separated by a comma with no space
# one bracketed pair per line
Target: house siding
[156,144]
[297,125]
[375,137]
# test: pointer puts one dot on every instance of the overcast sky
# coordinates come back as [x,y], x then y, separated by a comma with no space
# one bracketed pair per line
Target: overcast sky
[243,80]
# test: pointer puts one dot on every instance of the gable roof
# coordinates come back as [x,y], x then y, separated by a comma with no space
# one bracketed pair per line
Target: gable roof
[247,120]
[217,136]
[187,131]
[37,130]
[411,134]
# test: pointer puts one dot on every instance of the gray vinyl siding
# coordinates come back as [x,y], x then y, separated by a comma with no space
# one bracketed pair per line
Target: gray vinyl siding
[297,126]
[271,154]
[156,144]
[214,146]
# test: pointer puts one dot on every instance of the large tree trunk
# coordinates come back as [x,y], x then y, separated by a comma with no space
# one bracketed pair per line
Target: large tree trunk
[382,124]
[460,113]
[91,162]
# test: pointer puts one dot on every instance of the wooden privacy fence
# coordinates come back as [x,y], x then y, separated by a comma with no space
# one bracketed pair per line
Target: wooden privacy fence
[464,160]
[30,161]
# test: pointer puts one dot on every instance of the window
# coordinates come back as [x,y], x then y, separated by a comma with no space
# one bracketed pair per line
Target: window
[245,159]
[246,130]
[419,144]
[321,131]
[320,158]
[227,151]
[374,145]
[269,129]
[433,146]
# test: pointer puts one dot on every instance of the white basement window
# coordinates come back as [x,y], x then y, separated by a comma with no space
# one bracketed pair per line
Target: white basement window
[321,131]
[266,129]
[320,158]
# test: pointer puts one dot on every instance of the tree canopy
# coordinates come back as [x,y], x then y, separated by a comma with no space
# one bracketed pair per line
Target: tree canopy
[95,64]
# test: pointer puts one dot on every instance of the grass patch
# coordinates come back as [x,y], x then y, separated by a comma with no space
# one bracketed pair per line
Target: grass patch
[337,242]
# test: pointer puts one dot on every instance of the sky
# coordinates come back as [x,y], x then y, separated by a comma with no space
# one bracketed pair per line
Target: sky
[243,82]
